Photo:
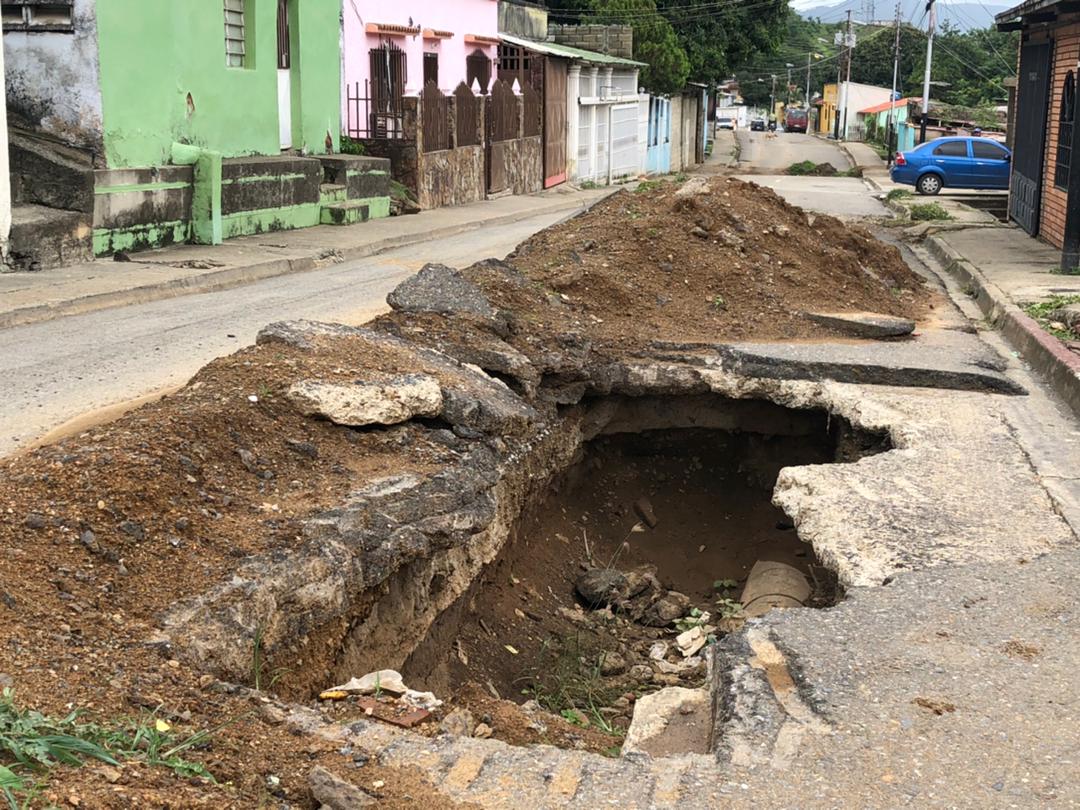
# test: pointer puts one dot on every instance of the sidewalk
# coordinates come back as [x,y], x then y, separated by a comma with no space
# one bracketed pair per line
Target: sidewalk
[1004,269]
[186,269]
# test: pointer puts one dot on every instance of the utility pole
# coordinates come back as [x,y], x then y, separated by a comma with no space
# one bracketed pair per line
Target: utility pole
[772,98]
[808,80]
[841,113]
[931,25]
[892,97]
[789,67]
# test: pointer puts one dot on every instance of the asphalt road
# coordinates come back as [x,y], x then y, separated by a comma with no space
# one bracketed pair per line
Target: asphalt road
[79,368]
[767,155]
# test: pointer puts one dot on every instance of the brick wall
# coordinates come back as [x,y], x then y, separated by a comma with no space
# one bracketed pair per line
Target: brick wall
[1065,57]
[614,40]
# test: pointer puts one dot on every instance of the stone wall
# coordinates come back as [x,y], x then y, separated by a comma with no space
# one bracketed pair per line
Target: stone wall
[614,40]
[451,177]
[524,161]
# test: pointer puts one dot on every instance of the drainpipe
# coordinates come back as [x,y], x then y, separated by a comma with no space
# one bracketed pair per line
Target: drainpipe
[610,141]
[206,228]
[5,176]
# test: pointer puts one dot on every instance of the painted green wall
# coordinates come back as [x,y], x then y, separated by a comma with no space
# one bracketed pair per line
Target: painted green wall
[154,53]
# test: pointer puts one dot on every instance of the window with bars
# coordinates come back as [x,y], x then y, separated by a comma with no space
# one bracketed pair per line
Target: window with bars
[28,15]
[1065,131]
[235,34]
[431,68]
[478,67]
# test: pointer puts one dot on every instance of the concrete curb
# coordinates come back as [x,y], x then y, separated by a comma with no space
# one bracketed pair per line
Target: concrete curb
[231,277]
[1041,350]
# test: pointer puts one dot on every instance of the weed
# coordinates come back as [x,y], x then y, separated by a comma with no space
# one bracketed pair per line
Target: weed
[258,663]
[729,608]
[925,212]
[854,171]
[1065,271]
[32,741]
[646,186]
[570,682]
[652,233]
[898,194]
[725,584]
[588,185]
[680,177]
[1043,312]
[969,290]
[399,191]
[718,303]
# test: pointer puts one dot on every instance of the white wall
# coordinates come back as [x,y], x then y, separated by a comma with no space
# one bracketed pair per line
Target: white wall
[53,80]
[861,96]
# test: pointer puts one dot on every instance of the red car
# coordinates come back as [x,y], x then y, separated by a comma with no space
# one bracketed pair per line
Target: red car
[796,121]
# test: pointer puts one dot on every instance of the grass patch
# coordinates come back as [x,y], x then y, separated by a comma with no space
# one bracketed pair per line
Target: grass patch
[854,171]
[1041,312]
[588,185]
[399,191]
[646,186]
[1065,271]
[925,212]
[32,743]
[802,167]
[898,194]
[570,683]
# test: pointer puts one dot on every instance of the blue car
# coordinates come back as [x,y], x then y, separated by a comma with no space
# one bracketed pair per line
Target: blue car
[953,162]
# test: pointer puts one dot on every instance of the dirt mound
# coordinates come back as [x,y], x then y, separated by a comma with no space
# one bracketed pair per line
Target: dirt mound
[731,262]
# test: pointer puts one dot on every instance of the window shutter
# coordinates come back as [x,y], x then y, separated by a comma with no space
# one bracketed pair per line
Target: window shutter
[235,46]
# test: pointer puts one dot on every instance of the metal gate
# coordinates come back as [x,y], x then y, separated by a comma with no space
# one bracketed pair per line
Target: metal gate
[501,124]
[554,132]
[1032,97]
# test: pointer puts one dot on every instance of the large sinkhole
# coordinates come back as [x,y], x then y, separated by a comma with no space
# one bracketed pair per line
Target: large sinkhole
[649,529]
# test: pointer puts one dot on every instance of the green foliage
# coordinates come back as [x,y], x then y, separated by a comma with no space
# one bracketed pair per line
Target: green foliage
[1065,271]
[570,684]
[645,186]
[31,741]
[350,146]
[802,167]
[898,194]
[924,212]
[399,191]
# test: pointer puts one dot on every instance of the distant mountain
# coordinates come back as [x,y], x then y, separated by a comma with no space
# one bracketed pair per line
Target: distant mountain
[962,15]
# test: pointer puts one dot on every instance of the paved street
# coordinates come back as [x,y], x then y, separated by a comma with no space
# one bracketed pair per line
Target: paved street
[776,154]
[71,367]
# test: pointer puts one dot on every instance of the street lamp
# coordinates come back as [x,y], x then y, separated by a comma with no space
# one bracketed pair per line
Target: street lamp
[789,67]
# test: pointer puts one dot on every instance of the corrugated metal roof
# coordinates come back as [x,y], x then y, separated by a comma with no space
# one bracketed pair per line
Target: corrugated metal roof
[568,52]
[900,102]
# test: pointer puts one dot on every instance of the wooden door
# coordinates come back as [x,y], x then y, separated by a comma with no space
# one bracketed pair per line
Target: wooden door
[554,133]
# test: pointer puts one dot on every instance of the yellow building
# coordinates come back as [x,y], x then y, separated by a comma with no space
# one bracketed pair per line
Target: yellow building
[830,97]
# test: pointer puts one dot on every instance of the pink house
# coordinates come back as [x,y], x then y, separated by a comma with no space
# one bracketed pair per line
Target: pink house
[390,50]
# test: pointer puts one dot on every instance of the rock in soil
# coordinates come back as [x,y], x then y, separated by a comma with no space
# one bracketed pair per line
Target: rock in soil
[459,723]
[612,663]
[673,605]
[396,399]
[334,793]
[601,586]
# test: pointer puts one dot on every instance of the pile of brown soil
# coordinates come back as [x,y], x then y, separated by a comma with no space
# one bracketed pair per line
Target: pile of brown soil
[735,262]
[104,532]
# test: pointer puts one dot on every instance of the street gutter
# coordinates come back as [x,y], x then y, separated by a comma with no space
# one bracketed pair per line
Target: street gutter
[1041,350]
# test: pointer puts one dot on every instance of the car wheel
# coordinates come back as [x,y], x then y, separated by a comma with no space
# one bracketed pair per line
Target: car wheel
[929,184]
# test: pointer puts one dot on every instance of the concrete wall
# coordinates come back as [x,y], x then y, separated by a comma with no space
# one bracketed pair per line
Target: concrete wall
[164,79]
[676,162]
[135,209]
[614,40]
[460,17]
[522,21]
[52,82]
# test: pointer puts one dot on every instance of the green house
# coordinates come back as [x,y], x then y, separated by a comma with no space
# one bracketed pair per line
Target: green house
[182,121]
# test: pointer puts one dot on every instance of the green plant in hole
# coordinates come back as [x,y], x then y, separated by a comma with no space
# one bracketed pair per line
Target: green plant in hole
[725,585]
[898,194]
[854,171]
[652,233]
[729,608]
[400,191]
[569,682]
[718,303]
[679,177]
[925,212]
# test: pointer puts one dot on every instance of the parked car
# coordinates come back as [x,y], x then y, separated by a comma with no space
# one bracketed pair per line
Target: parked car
[757,125]
[954,163]
[725,122]
[796,120]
